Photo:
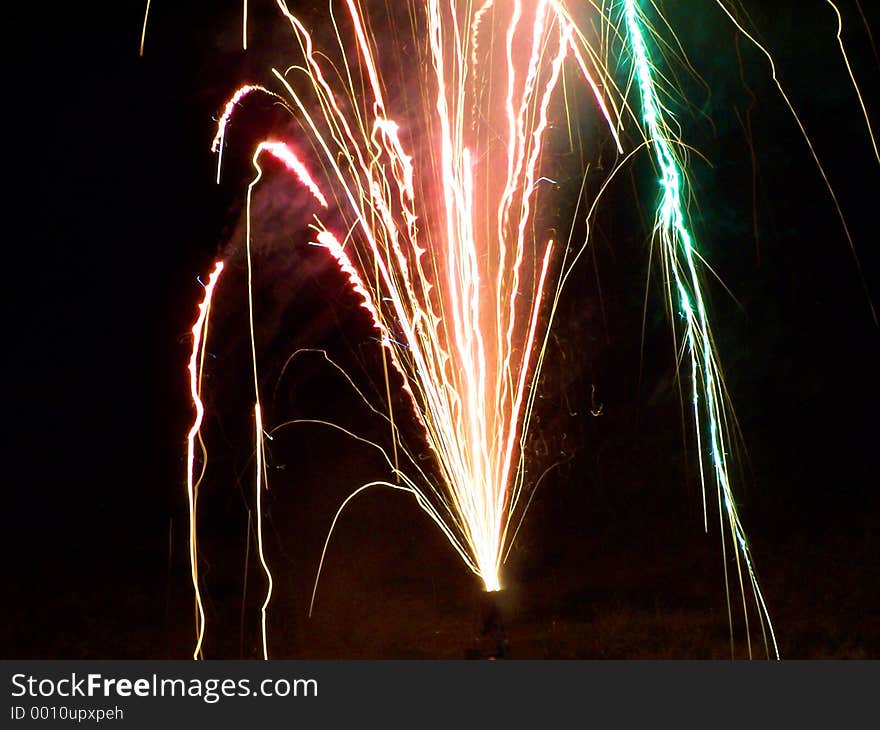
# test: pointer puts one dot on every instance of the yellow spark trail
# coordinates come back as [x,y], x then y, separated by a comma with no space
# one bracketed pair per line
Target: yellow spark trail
[200,334]
[852,78]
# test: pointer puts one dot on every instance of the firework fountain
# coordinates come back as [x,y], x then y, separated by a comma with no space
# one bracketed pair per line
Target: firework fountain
[431,201]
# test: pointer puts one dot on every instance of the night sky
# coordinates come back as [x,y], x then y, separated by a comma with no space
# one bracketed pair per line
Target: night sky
[113,213]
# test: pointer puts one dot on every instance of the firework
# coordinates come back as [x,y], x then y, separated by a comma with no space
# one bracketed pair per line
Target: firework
[445,253]
[432,200]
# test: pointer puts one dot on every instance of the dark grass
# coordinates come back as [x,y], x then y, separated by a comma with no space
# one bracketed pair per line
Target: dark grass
[658,596]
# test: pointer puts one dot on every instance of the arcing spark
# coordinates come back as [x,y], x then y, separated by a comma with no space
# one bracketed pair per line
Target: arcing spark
[678,250]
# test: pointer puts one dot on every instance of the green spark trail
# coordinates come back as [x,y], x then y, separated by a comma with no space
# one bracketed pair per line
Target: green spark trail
[680,259]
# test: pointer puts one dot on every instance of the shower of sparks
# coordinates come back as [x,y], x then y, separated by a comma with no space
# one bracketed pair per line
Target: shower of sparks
[442,243]
[433,200]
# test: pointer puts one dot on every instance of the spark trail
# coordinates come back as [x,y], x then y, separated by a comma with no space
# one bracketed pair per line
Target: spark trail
[196,364]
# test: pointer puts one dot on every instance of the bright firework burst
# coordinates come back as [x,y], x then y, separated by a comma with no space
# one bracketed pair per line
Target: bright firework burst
[429,201]
[440,237]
